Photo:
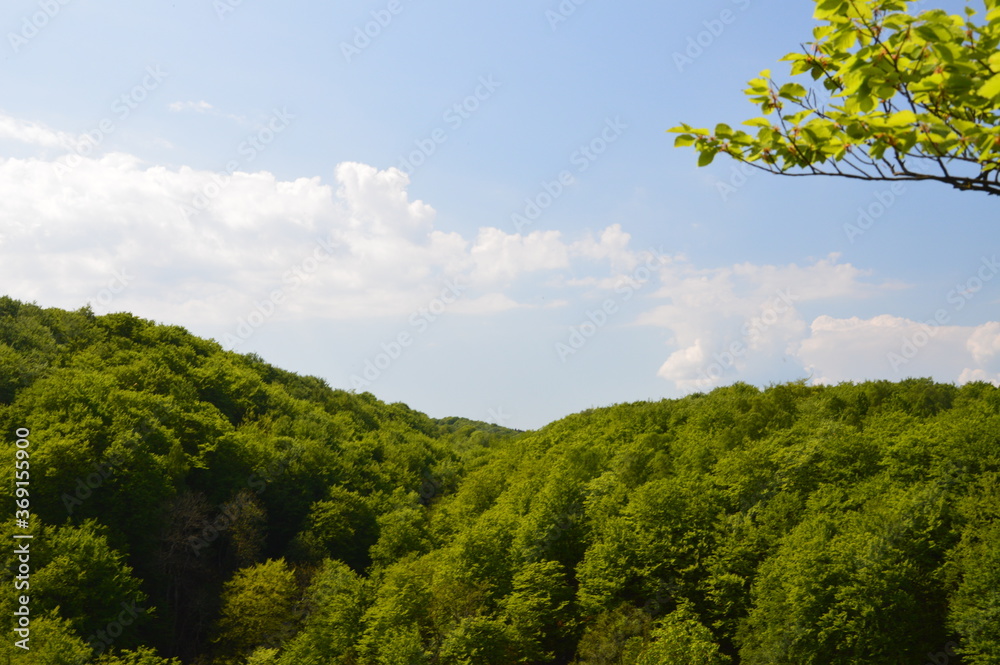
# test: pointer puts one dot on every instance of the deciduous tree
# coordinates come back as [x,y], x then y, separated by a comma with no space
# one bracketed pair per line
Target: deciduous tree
[899,97]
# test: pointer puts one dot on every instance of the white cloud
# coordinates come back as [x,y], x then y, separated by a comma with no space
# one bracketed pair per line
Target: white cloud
[984,343]
[198,107]
[358,247]
[203,107]
[68,229]
[970,375]
[378,204]
[500,257]
[737,322]
[687,367]
[612,245]
[33,133]
[830,350]
[893,348]
[487,304]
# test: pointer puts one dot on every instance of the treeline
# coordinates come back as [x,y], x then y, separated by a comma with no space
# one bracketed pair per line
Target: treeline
[194,505]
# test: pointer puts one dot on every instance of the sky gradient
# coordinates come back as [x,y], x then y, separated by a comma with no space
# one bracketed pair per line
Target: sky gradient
[472,209]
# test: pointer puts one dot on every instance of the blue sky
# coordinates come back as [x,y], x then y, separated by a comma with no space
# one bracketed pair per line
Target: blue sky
[477,210]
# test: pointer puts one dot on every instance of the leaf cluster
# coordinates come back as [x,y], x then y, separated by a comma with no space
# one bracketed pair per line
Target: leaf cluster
[894,96]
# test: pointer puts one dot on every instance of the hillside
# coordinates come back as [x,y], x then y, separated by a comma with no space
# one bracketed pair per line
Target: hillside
[188,502]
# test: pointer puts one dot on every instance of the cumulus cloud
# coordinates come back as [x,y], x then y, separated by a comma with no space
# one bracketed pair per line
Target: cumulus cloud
[202,247]
[500,257]
[984,343]
[972,375]
[33,133]
[892,348]
[612,245]
[746,322]
[735,322]
[199,248]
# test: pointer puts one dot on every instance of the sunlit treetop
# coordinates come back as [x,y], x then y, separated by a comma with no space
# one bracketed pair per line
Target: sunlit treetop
[903,97]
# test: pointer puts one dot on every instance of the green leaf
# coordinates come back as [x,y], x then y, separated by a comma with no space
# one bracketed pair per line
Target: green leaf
[801,67]
[926,84]
[792,91]
[926,33]
[990,89]
[828,8]
[901,119]
[856,131]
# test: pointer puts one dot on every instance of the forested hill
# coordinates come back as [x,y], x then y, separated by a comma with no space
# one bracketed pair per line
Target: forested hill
[192,503]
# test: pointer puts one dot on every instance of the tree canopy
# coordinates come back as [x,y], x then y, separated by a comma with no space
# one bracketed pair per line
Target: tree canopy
[226,512]
[896,96]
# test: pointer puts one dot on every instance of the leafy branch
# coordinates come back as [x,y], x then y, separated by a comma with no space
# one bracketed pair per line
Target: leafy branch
[898,97]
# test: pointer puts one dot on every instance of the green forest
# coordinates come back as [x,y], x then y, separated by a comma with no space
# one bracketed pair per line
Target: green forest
[193,505]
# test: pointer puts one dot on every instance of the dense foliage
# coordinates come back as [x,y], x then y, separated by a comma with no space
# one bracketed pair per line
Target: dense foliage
[195,504]
[902,97]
